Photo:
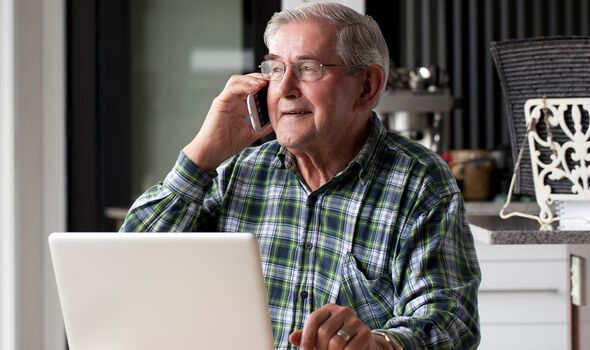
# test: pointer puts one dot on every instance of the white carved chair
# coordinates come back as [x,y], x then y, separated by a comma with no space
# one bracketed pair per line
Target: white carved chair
[564,163]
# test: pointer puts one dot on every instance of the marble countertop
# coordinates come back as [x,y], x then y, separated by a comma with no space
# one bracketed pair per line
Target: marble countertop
[487,226]
[491,229]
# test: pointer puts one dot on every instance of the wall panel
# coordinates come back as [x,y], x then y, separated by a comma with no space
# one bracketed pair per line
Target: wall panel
[455,35]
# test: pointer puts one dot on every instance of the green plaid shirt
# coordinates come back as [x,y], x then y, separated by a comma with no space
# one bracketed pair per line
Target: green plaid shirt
[386,237]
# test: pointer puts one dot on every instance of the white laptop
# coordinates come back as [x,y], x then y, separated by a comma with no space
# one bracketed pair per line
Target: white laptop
[143,291]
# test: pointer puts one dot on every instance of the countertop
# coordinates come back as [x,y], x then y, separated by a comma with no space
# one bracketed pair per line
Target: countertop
[487,226]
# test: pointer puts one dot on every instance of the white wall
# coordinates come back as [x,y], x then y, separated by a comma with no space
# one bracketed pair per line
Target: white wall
[7,312]
[54,156]
[33,170]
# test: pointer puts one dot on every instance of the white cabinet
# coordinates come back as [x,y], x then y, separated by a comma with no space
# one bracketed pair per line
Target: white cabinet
[524,298]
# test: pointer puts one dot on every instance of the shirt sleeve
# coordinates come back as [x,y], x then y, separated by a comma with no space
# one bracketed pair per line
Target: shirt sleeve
[187,200]
[438,279]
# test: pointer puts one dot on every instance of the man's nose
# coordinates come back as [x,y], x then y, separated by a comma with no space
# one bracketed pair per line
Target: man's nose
[289,84]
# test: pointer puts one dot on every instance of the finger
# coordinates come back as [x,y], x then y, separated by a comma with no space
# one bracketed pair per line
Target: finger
[327,333]
[362,339]
[350,326]
[232,100]
[242,85]
[329,328]
[335,342]
[256,75]
[295,337]
[313,323]
[360,334]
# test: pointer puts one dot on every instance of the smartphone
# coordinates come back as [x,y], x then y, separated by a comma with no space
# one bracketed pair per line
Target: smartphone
[258,109]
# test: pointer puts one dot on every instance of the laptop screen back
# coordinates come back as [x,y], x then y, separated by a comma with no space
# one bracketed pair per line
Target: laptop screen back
[132,291]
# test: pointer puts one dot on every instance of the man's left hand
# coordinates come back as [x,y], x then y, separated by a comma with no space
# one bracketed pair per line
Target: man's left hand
[333,327]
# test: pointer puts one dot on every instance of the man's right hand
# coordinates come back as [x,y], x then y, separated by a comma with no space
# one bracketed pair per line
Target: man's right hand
[227,129]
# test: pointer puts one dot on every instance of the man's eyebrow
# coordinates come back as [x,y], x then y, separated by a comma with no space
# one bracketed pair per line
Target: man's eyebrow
[270,56]
[307,57]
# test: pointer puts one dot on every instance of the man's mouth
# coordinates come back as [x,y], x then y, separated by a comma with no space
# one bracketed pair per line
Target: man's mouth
[296,112]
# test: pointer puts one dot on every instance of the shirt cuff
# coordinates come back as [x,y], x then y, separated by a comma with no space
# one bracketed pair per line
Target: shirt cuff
[406,338]
[187,179]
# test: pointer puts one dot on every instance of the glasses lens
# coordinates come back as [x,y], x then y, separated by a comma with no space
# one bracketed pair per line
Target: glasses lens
[309,70]
[306,70]
[272,70]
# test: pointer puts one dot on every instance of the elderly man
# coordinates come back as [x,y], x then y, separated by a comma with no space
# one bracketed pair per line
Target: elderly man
[362,233]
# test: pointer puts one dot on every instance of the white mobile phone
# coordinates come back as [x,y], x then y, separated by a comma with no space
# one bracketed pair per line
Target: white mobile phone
[258,109]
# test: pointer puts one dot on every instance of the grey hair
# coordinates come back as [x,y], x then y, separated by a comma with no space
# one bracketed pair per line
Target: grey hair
[359,42]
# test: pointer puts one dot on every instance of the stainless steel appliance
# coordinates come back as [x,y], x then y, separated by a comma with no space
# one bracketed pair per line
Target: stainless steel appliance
[417,104]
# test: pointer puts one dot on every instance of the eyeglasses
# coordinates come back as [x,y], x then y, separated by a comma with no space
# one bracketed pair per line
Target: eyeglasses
[305,70]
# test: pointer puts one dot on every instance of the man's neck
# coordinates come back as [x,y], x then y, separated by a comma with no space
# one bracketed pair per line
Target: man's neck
[317,168]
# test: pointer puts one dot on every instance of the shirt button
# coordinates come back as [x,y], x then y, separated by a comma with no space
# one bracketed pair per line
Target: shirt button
[304,294]
[308,246]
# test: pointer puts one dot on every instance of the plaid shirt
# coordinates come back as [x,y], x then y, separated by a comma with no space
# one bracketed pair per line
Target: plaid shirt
[386,237]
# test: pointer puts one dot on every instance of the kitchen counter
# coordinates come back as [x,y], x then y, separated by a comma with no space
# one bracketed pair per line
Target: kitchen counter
[487,226]
[494,230]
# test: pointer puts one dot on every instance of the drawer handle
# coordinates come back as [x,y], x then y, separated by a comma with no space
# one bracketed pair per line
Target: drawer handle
[532,290]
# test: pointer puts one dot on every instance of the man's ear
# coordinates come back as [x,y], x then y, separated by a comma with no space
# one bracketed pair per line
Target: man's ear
[371,81]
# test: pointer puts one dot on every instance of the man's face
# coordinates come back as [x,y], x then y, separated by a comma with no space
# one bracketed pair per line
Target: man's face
[310,116]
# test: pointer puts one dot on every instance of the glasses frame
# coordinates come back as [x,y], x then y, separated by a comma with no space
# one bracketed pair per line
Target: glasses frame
[297,71]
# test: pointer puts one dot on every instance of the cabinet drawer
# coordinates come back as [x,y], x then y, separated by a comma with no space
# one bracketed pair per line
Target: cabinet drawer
[527,292]
[525,337]
[520,252]
[523,307]
[539,275]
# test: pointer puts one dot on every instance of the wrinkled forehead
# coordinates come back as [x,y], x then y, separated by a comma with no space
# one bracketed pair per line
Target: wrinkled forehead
[304,40]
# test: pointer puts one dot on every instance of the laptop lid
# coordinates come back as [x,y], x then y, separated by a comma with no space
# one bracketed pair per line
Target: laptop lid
[142,291]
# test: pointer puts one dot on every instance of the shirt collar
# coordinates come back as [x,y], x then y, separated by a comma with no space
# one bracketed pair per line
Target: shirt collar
[364,159]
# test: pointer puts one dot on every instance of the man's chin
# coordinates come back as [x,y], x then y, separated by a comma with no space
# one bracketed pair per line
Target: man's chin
[292,141]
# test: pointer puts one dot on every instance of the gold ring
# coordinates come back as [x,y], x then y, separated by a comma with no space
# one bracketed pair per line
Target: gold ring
[344,335]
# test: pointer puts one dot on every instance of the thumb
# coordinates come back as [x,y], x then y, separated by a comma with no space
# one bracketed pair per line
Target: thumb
[295,338]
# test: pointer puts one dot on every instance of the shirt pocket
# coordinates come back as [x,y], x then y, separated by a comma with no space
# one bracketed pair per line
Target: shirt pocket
[371,299]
